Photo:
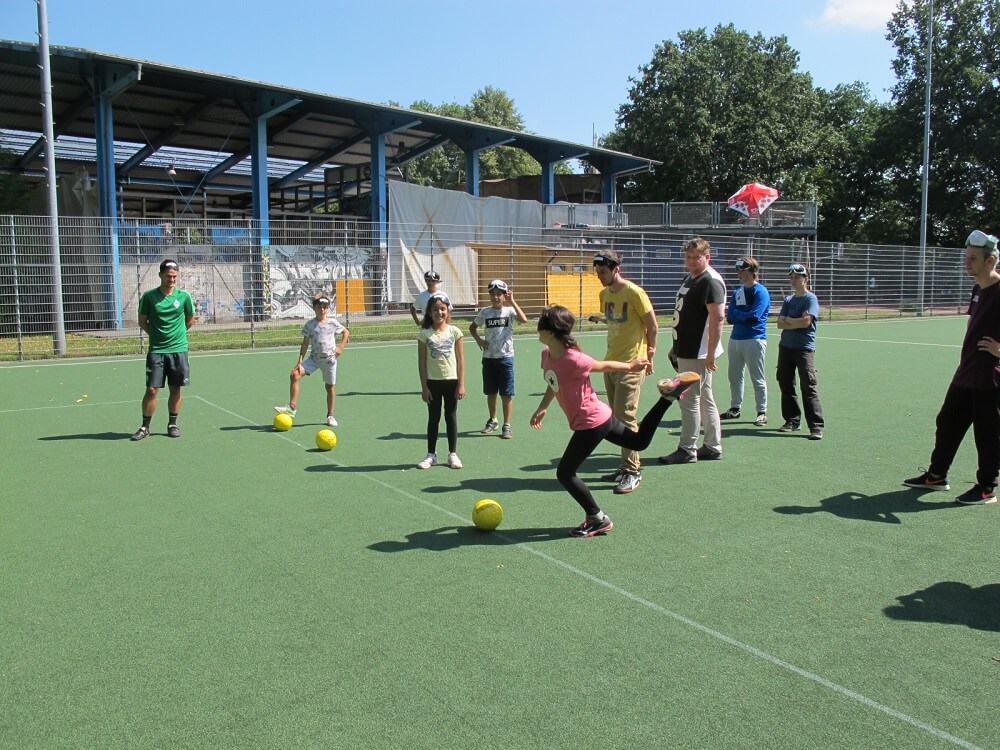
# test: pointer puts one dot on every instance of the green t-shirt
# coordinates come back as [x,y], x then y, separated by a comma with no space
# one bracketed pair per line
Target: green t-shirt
[168,316]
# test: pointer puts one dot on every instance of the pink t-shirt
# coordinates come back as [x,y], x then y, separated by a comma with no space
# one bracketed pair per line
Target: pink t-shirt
[569,379]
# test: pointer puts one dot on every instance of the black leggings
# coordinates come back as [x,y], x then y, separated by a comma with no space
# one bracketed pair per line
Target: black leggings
[583,443]
[442,392]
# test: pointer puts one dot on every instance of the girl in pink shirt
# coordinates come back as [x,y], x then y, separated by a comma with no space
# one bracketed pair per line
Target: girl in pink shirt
[567,371]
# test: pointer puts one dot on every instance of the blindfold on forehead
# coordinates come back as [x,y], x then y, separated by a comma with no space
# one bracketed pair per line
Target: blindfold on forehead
[603,260]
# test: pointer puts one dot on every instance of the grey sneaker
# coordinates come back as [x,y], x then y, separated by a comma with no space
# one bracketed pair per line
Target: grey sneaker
[730,414]
[173,430]
[141,433]
[506,433]
[628,483]
[491,426]
[816,433]
[789,426]
[430,460]
[761,420]
[592,527]
[707,454]
[679,456]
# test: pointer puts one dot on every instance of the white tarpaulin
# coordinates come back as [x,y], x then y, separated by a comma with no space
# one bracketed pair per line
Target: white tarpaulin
[432,228]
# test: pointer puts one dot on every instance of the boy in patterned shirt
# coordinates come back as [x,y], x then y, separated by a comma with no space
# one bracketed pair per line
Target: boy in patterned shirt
[498,353]
[321,332]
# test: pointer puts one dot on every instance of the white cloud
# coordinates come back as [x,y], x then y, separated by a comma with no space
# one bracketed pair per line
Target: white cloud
[863,15]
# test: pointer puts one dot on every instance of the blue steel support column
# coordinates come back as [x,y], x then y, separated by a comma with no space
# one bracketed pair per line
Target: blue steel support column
[608,188]
[258,178]
[548,196]
[472,172]
[108,83]
[380,199]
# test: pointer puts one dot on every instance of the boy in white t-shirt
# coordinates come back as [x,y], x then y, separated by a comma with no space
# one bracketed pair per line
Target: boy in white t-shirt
[419,306]
[498,353]
[321,332]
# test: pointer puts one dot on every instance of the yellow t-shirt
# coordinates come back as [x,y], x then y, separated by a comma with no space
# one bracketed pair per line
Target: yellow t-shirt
[626,331]
[442,362]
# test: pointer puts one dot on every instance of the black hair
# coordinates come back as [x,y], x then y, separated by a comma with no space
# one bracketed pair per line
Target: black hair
[559,321]
[428,321]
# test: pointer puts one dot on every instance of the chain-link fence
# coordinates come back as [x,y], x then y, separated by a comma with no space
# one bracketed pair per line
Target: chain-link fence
[254,293]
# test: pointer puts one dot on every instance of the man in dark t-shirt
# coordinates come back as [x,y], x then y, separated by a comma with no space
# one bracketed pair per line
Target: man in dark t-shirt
[973,398]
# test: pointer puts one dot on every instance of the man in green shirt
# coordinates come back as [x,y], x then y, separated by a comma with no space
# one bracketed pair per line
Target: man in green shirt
[165,314]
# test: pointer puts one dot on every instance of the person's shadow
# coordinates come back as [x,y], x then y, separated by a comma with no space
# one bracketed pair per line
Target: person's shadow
[451,537]
[91,436]
[952,603]
[857,506]
[492,486]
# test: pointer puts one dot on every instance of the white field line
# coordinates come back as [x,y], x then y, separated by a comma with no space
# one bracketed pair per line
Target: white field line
[653,606]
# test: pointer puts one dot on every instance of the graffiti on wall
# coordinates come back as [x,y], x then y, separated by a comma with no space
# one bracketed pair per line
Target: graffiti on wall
[297,272]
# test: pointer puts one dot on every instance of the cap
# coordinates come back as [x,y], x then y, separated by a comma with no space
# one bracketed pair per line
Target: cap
[498,285]
[981,239]
[171,264]
[432,276]
[797,269]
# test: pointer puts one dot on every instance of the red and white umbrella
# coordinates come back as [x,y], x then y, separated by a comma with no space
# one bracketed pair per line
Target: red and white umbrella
[752,199]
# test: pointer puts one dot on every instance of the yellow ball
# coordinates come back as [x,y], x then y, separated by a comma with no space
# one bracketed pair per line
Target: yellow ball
[487,514]
[283,422]
[326,440]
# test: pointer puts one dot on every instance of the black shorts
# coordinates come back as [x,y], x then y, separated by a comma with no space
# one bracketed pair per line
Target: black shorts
[167,368]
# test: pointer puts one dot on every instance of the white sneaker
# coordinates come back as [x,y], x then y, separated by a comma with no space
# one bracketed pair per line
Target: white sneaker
[286,410]
[331,422]
[430,460]
[454,462]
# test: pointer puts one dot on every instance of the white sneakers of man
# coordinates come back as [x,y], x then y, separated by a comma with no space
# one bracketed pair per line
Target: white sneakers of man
[431,459]
[331,422]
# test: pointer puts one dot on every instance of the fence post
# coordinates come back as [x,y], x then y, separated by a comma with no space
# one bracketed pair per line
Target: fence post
[17,293]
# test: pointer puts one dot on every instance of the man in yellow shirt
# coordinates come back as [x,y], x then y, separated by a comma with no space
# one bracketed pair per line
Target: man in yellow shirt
[631,333]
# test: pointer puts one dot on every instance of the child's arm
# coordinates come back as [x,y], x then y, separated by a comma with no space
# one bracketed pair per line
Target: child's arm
[343,341]
[425,392]
[609,365]
[474,332]
[303,348]
[521,317]
[460,362]
[539,415]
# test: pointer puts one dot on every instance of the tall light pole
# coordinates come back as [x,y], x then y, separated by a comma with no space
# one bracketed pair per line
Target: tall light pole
[48,130]
[922,271]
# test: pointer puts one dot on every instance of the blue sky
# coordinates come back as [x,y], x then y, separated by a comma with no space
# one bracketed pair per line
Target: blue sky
[565,65]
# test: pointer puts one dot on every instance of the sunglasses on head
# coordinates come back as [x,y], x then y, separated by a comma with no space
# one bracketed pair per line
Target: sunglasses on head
[797,269]
[742,265]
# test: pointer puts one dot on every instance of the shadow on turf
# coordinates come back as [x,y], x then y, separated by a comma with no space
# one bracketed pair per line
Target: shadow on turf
[856,506]
[91,436]
[952,603]
[451,537]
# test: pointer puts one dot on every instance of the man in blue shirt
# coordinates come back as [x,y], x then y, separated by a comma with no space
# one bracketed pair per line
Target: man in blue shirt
[747,313]
[796,353]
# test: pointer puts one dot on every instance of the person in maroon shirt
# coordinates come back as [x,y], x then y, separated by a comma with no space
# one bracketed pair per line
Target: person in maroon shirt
[973,398]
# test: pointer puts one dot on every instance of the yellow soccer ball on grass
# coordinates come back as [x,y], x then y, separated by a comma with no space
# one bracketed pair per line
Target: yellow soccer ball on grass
[283,422]
[326,440]
[487,514]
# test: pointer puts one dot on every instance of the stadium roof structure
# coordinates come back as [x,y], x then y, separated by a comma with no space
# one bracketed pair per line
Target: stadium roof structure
[170,132]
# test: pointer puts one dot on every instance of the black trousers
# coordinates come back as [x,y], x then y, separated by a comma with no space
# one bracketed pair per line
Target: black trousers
[442,394]
[583,443]
[963,407]
[801,361]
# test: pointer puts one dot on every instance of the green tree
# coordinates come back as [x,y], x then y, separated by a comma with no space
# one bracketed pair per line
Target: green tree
[720,110]
[964,175]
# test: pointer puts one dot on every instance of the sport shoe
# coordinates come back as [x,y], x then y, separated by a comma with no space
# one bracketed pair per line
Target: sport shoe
[928,481]
[430,460]
[979,494]
[286,410]
[628,483]
[816,433]
[673,388]
[730,414]
[173,430]
[707,454]
[142,432]
[593,527]
[761,420]
[506,433]
[491,426]
[679,456]
[454,462]
[331,422]
[615,477]
[789,426]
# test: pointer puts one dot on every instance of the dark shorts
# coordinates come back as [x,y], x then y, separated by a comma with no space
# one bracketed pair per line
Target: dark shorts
[498,376]
[167,368]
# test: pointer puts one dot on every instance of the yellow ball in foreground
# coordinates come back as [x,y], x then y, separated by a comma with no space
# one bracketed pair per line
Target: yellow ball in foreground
[487,514]
[283,422]
[326,440]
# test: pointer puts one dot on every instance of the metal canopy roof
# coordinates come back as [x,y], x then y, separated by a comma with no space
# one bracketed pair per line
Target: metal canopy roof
[181,131]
